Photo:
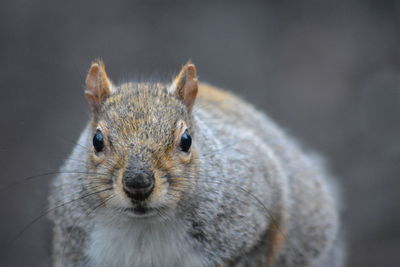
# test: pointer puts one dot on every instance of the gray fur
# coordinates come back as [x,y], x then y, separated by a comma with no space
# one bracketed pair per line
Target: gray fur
[250,175]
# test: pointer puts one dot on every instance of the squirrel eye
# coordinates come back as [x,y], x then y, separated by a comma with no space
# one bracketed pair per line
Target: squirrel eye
[98,141]
[186,141]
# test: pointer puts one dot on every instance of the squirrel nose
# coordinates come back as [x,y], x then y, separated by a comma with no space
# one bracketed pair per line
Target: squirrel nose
[138,186]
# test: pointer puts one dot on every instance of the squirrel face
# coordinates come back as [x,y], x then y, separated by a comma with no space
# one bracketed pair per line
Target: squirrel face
[142,149]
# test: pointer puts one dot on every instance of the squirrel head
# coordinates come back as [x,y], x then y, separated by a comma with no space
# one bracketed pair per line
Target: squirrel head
[142,157]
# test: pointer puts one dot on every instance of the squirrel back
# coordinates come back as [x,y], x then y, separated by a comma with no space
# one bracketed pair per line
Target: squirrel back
[184,174]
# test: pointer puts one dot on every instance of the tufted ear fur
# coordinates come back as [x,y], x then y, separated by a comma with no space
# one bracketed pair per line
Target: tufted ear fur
[98,86]
[185,85]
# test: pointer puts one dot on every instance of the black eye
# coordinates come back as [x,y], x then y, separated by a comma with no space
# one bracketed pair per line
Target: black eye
[98,141]
[186,141]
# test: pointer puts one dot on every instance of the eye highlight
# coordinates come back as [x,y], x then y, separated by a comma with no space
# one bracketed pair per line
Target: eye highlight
[98,141]
[186,141]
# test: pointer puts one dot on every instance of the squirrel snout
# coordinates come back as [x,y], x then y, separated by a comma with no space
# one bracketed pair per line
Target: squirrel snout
[138,185]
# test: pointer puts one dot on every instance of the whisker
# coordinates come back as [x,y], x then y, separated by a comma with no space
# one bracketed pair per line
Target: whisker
[274,219]
[86,214]
[44,213]
[46,174]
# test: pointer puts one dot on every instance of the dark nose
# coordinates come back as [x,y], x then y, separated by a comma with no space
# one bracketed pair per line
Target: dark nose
[138,186]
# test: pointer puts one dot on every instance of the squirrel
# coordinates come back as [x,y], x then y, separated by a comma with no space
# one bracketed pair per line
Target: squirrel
[185,174]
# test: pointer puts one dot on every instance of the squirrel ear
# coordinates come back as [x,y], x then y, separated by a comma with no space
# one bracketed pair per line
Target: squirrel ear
[98,86]
[185,85]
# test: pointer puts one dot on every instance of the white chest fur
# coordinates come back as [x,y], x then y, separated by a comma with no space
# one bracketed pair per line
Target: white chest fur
[127,242]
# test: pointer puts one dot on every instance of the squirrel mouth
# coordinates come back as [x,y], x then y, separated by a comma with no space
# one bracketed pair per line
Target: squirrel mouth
[140,211]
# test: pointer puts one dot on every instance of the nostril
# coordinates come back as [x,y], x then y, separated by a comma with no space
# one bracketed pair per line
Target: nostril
[139,186]
[138,182]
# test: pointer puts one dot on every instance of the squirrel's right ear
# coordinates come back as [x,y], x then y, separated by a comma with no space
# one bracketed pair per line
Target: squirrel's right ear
[98,86]
[185,85]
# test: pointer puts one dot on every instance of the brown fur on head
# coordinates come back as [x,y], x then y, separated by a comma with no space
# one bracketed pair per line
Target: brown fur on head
[142,123]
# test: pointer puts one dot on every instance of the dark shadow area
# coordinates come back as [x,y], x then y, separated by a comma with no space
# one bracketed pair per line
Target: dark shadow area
[328,72]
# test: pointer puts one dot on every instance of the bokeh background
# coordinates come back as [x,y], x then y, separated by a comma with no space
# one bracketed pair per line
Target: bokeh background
[327,71]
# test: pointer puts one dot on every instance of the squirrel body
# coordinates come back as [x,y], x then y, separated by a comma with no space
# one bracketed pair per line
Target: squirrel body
[215,183]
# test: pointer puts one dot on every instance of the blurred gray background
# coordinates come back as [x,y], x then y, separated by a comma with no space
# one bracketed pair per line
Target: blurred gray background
[327,71]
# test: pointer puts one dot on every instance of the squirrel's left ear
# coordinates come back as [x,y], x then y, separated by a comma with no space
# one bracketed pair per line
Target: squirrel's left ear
[185,85]
[98,86]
